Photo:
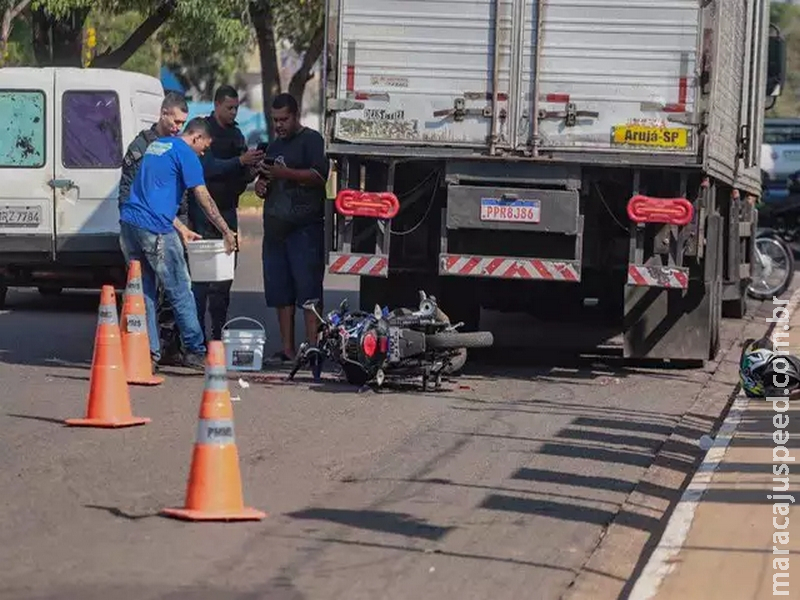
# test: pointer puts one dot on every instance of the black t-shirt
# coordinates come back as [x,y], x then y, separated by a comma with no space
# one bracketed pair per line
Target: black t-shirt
[291,204]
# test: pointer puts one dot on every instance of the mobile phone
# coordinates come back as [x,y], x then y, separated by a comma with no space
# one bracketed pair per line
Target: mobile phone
[268,160]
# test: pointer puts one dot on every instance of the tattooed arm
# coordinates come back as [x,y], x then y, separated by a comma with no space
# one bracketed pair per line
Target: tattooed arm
[209,207]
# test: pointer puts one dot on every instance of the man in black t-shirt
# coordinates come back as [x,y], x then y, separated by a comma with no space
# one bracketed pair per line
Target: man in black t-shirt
[292,182]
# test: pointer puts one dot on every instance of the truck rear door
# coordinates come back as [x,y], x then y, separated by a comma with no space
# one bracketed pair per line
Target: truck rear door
[88,162]
[26,163]
[424,71]
[616,75]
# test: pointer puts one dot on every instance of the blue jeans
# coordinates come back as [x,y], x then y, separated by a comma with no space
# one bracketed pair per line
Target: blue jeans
[163,262]
[294,266]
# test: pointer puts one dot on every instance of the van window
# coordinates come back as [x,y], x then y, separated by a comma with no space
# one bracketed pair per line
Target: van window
[782,134]
[22,135]
[92,137]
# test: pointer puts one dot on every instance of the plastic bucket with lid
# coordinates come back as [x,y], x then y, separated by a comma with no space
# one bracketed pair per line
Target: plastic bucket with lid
[244,348]
[208,261]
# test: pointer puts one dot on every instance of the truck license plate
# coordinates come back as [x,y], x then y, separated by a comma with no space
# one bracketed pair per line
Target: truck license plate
[512,211]
[20,216]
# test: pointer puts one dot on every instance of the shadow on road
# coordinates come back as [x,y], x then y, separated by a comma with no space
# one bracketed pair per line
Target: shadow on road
[375,520]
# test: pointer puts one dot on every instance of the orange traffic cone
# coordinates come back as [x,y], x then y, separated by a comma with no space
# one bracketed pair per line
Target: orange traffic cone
[214,492]
[135,340]
[109,403]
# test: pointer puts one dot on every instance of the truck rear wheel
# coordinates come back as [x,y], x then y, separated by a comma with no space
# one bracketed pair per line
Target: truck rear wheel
[3,296]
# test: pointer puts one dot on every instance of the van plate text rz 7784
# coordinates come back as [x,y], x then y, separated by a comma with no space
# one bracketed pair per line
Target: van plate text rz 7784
[651,137]
[20,216]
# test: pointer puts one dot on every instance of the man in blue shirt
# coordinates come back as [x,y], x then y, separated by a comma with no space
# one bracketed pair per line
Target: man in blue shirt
[151,233]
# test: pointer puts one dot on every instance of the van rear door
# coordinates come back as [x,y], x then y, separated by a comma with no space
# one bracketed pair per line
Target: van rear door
[26,165]
[88,165]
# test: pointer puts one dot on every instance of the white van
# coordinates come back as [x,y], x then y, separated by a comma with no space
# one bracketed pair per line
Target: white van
[63,134]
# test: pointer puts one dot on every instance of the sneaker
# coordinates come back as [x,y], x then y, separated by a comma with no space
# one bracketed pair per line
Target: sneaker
[192,360]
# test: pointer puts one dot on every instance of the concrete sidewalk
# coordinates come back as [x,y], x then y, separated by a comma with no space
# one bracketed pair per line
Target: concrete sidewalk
[726,539]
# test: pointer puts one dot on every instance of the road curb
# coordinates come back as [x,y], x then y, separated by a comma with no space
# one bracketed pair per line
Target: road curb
[623,551]
[662,561]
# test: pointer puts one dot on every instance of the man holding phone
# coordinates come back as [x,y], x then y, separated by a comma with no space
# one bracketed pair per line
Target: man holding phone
[292,180]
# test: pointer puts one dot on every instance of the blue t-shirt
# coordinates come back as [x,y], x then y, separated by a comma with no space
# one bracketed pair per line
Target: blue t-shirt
[169,168]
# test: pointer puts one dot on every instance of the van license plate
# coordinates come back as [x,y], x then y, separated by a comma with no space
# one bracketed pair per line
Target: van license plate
[512,211]
[20,216]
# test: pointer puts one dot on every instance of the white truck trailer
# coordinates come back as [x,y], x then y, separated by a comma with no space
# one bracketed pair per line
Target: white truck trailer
[560,157]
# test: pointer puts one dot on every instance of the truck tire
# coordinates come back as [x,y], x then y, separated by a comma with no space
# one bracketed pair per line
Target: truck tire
[3,296]
[456,339]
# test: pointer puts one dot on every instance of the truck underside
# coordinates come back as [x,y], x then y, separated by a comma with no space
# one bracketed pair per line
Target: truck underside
[659,288]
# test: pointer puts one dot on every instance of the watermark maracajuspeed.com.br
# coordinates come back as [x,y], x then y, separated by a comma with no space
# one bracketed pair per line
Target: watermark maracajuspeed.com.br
[781,502]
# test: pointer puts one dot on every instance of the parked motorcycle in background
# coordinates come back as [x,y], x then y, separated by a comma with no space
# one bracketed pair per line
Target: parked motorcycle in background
[773,257]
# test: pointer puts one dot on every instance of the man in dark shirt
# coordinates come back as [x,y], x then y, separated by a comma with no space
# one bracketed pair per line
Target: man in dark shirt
[174,112]
[226,167]
[292,181]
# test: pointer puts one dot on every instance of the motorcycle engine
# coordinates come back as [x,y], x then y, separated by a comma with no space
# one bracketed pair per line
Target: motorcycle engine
[366,351]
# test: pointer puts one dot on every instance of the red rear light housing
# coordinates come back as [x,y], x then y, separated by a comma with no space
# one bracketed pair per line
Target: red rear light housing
[369,344]
[377,205]
[670,211]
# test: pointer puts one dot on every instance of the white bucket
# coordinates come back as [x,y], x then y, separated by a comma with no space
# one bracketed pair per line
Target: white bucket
[244,348]
[208,261]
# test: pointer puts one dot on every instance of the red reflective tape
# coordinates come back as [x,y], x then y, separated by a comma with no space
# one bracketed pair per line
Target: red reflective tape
[378,268]
[562,98]
[470,266]
[541,269]
[339,263]
[675,108]
[450,262]
[566,271]
[493,265]
[636,276]
[359,264]
[683,90]
[351,78]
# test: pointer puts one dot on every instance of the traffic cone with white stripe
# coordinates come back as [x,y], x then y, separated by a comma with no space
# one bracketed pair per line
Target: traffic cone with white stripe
[135,339]
[214,492]
[109,403]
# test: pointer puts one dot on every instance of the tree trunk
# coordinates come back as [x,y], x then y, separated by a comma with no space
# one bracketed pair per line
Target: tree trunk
[297,86]
[264,24]
[11,13]
[59,42]
[113,59]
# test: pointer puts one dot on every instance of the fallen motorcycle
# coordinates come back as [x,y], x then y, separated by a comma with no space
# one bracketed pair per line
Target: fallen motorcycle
[390,347]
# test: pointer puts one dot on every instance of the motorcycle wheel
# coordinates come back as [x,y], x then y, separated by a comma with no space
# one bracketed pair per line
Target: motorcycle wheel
[456,339]
[772,256]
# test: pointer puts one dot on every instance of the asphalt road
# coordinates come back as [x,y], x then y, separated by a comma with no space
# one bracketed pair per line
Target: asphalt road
[500,486]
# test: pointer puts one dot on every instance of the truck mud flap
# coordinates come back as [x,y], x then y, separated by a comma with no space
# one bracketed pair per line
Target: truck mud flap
[666,322]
